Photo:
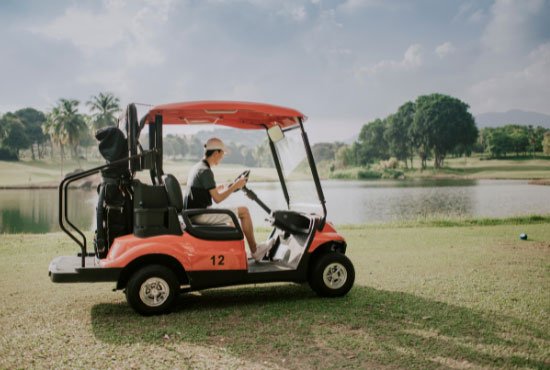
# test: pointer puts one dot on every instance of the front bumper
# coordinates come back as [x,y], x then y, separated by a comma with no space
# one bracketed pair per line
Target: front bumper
[68,269]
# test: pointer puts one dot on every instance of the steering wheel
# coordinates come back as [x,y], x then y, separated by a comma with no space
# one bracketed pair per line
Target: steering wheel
[245,174]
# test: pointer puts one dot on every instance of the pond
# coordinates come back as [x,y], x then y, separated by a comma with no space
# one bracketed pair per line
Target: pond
[348,202]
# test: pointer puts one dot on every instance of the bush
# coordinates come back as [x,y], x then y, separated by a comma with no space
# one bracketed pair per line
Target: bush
[389,173]
[368,175]
[7,155]
[390,163]
[341,175]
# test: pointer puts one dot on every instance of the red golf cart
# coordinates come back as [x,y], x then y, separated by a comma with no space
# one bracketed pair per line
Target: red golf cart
[149,245]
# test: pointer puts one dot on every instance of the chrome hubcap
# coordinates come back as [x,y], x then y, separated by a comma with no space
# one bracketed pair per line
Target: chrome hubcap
[154,291]
[335,275]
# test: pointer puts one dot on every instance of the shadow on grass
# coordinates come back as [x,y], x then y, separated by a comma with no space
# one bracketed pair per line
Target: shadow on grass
[368,326]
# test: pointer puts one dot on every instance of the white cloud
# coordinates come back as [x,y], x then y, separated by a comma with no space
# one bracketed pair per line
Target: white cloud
[298,13]
[470,12]
[412,59]
[510,25]
[477,17]
[354,5]
[525,88]
[130,27]
[445,49]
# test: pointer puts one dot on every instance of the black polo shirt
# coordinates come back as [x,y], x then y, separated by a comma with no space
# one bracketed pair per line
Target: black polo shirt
[199,183]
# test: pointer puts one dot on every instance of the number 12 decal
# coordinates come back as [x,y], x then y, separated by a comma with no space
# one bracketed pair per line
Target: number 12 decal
[218,261]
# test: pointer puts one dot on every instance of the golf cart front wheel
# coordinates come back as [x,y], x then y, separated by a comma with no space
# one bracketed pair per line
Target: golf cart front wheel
[332,275]
[152,289]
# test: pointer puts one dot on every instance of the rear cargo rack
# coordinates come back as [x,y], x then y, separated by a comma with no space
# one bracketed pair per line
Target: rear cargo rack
[78,236]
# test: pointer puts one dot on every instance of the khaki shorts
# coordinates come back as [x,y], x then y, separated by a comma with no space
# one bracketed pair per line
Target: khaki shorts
[216,218]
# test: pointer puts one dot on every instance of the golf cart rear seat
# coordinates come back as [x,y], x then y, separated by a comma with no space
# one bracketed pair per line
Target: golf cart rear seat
[156,211]
[153,213]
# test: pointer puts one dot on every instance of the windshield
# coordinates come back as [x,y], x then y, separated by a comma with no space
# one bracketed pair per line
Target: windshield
[297,173]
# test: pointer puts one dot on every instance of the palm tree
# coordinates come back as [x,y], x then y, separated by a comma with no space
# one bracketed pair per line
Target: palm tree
[65,126]
[54,129]
[103,107]
[72,122]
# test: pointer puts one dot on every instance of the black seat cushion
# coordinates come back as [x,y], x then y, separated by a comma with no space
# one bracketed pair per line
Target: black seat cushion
[173,189]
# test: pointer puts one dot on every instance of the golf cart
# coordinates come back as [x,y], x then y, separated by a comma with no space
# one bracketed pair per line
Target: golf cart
[150,246]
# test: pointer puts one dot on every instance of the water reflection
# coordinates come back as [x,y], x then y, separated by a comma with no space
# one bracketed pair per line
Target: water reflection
[36,211]
[348,202]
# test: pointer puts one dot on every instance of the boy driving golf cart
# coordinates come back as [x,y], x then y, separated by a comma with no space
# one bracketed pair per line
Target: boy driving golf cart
[202,189]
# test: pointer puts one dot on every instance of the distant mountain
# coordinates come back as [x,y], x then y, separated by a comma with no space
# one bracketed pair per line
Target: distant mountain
[515,116]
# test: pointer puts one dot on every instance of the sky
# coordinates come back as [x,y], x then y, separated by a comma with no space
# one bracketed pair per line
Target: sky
[342,63]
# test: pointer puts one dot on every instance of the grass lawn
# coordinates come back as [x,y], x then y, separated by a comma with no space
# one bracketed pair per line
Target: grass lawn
[475,168]
[425,297]
[471,168]
[25,173]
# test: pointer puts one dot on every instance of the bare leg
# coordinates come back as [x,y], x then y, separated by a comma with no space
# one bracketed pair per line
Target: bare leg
[248,228]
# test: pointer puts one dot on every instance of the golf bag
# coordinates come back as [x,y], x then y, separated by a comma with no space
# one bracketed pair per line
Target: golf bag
[114,207]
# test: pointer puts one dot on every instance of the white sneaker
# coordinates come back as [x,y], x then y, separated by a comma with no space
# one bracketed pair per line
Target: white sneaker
[263,248]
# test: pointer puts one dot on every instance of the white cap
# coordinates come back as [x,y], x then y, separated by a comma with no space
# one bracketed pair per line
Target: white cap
[215,144]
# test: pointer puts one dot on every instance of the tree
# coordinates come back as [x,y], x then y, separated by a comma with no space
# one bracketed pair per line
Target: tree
[546,143]
[54,129]
[443,122]
[86,141]
[104,108]
[66,126]
[372,144]
[33,120]
[538,138]
[498,142]
[14,135]
[325,151]
[519,138]
[398,133]
[72,122]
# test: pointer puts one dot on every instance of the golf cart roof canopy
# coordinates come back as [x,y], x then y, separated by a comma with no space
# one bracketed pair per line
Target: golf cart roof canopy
[245,115]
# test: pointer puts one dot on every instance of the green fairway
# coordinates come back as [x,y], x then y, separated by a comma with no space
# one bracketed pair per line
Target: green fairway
[425,297]
[471,168]
[48,173]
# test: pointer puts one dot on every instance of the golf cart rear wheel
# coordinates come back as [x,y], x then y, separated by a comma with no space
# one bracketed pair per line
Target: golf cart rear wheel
[151,290]
[332,275]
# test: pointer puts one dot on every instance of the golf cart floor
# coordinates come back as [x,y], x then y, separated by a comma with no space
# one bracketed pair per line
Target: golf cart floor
[266,266]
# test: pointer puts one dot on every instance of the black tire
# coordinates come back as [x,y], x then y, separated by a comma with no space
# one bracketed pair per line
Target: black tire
[331,275]
[152,289]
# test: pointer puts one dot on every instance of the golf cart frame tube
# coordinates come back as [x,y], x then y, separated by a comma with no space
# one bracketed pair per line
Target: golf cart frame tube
[279,171]
[64,201]
[155,143]
[315,174]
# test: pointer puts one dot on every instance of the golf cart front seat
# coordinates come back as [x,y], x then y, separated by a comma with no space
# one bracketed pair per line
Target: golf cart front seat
[202,231]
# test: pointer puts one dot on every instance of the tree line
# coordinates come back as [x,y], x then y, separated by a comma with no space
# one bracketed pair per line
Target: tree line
[71,132]
[432,126]
[65,127]
[512,139]
[177,147]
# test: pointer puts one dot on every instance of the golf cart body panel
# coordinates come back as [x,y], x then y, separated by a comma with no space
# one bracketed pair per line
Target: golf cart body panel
[192,253]
[326,236]
[156,249]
